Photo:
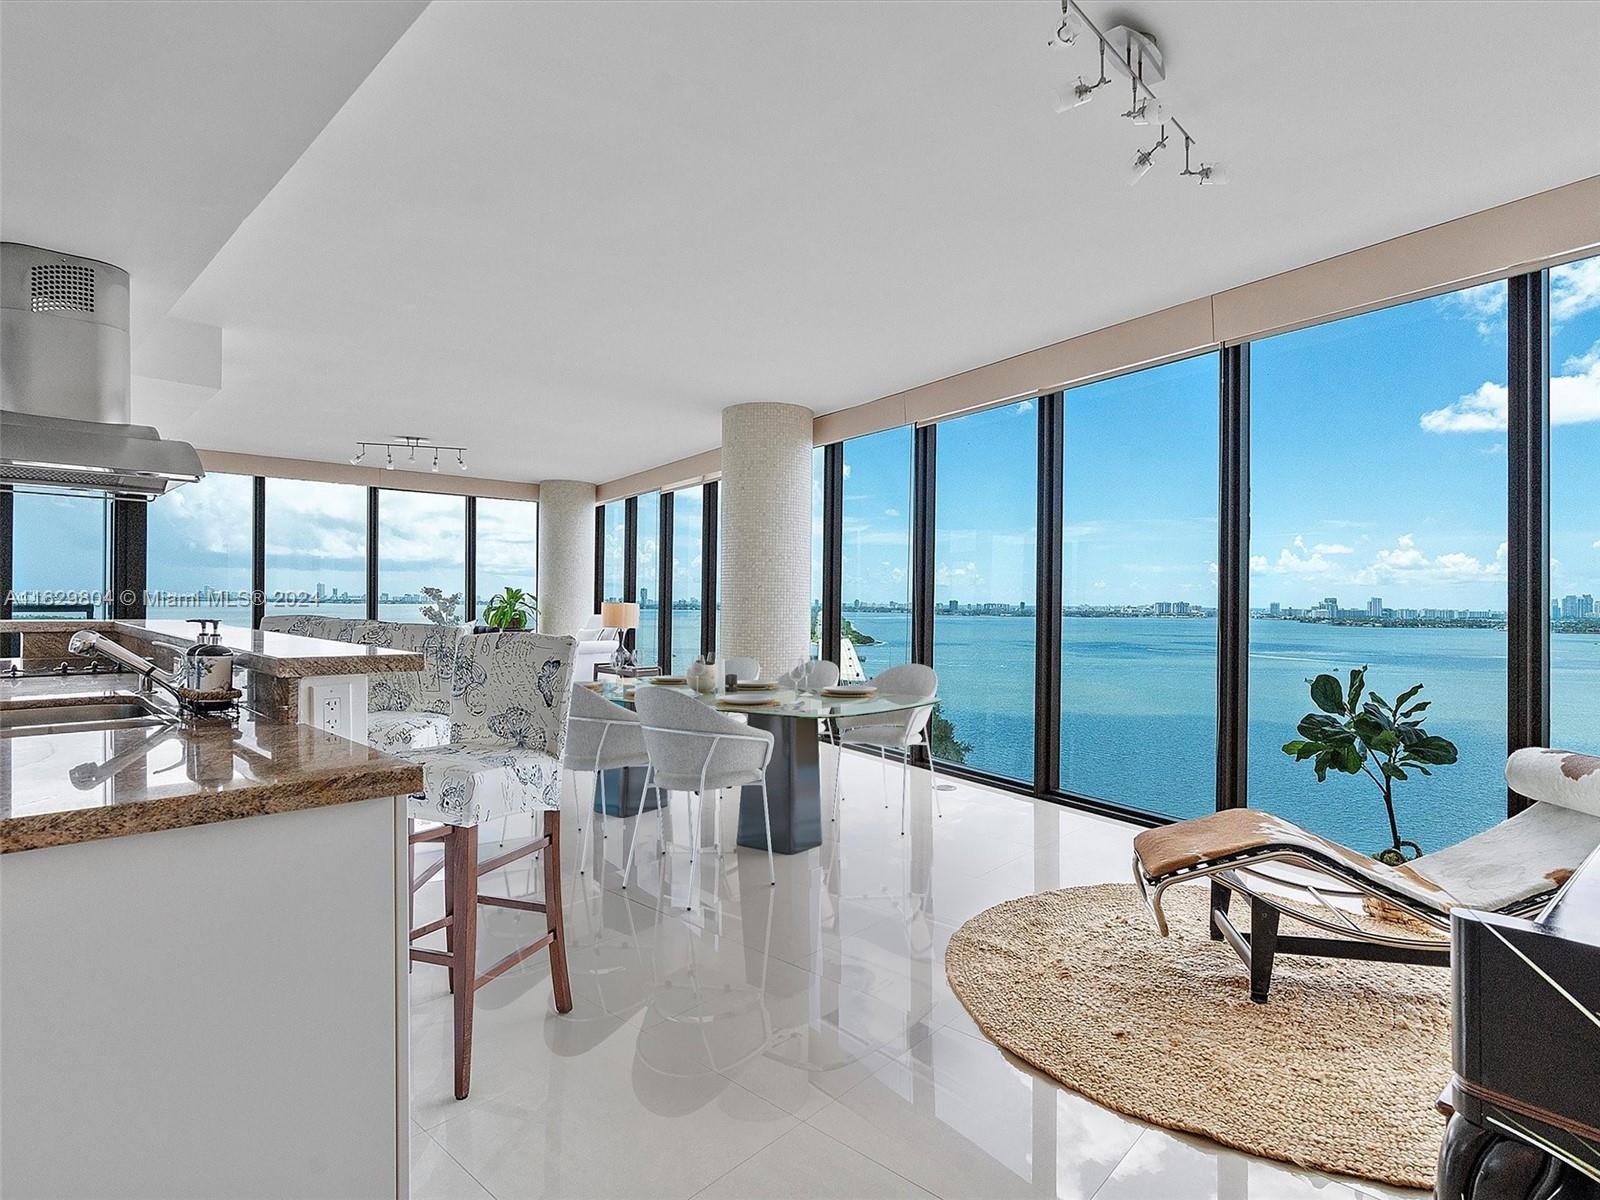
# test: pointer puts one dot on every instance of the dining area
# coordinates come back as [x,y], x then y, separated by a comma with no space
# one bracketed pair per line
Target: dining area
[760,736]
[502,732]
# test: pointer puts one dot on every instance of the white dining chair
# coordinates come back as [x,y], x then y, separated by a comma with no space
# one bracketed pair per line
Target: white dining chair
[742,667]
[893,730]
[812,675]
[695,749]
[601,736]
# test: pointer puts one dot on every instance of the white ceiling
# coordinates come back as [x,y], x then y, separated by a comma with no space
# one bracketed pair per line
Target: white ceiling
[568,235]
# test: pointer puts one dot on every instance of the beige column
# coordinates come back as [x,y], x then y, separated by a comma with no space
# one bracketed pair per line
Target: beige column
[566,555]
[764,577]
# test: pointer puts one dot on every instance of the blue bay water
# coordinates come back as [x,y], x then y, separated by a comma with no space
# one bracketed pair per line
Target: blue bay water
[1138,721]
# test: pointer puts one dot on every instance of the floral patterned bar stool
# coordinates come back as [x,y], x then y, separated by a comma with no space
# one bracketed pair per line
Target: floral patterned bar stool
[508,728]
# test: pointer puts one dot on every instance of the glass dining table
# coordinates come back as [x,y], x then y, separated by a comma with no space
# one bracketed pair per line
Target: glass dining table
[794,777]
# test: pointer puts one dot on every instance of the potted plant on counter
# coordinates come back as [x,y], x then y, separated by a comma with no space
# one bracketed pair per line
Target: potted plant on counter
[511,609]
[1372,737]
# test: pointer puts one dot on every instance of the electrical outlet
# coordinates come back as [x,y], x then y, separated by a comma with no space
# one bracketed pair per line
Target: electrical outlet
[332,713]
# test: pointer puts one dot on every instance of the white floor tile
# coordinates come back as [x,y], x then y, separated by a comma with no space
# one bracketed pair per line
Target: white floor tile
[1163,1164]
[734,1039]
[959,1118]
[437,1176]
[805,1164]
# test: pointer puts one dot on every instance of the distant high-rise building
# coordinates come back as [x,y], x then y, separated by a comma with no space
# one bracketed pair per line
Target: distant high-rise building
[1574,608]
[1375,607]
[644,597]
[1330,607]
[1273,608]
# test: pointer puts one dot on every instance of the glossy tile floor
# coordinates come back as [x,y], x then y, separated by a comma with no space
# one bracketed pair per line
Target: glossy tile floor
[735,1039]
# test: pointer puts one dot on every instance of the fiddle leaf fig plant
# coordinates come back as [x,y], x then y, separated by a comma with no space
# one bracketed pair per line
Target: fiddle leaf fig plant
[511,609]
[1357,732]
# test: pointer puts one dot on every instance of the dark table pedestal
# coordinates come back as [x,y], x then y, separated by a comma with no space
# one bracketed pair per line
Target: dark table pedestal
[794,789]
[620,793]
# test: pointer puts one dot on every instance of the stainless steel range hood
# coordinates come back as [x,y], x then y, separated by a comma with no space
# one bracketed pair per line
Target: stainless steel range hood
[64,383]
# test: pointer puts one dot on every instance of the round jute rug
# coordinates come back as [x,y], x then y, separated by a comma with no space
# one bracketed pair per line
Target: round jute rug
[1338,1072]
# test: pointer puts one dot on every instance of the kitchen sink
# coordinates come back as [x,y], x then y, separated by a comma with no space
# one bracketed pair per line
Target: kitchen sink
[120,712]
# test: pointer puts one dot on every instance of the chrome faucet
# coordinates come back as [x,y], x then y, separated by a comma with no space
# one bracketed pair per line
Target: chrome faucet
[87,643]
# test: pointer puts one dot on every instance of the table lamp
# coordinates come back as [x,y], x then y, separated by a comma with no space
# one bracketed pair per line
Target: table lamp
[621,616]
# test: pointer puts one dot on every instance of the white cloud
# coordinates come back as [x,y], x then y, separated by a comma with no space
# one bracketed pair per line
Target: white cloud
[891,512]
[1482,411]
[1025,407]
[1574,289]
[1258,562]
[1407,564]
[1596,546]
[1485,305]
[1333,548]
[1574,400]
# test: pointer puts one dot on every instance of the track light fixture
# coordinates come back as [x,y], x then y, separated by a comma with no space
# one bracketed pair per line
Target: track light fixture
[1138,56]
[1072,95]
[1206,173]
[410,443]
[1069,29]
[1145,159]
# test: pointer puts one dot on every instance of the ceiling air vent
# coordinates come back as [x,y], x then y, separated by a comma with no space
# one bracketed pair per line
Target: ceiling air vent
[61,287]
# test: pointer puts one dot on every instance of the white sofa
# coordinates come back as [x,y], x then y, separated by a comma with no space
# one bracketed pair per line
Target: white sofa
[595,646]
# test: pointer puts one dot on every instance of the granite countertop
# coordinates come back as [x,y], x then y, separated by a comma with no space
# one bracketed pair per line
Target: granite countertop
[281,654]
[60,788]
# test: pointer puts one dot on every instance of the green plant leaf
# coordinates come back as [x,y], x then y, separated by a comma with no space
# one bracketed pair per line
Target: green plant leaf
[1374,698]
[1406,696]
[1393,772]
[1358,684]
[1436,751]
[1369,709]
[1419,706]
[1349,759]
[1327,695]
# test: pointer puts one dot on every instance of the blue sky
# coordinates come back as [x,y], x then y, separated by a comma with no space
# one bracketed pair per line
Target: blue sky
[1378,468]
[1377,457]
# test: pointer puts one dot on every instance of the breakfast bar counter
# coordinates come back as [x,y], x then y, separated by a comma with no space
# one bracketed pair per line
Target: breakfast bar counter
[90,780]
[204,921]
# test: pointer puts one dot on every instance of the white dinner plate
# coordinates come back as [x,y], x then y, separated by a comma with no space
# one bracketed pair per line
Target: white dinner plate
[850,690]
[746,699]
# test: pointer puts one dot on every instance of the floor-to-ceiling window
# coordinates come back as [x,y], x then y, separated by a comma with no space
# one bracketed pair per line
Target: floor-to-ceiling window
[614,552]
[647,578]
[316,548]
[1139,589]
[422,557]
[688,529]
[507,553]
[818,457]
[1575,505]
[1378,539]
[984,587]
[60,549]
[875,552]
[198,551]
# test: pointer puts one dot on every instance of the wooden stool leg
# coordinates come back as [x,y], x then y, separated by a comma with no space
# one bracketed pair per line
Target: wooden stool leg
[449,911]
[560,982]
[461,888]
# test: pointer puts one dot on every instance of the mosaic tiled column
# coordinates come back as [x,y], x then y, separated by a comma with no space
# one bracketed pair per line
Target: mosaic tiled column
[566,555]
[765,527]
